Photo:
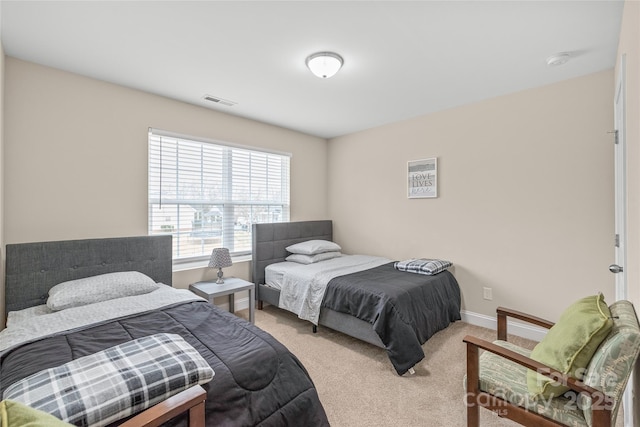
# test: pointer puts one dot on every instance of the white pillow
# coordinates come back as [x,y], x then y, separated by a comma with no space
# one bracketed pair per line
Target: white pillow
[310,259]
[312,247]
[103,287]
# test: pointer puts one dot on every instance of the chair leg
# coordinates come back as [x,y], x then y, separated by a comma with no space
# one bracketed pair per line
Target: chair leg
[473,413]
[602,417]
[473,379]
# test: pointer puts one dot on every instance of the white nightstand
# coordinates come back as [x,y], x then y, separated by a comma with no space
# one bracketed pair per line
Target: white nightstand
[231,285]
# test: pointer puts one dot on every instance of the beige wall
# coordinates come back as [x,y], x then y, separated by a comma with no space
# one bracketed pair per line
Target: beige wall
[525,200]
[76,151]
[629,46]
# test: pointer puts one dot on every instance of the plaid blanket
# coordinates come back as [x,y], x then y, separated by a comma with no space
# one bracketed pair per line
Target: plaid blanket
[104,387]
[423,265]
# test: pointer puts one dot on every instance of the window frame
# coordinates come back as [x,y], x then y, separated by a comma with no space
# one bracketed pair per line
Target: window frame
[227,204]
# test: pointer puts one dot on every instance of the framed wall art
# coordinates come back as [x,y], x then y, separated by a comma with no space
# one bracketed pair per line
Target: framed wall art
[422,178]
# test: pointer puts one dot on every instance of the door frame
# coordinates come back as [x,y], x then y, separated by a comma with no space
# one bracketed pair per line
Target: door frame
[620,177]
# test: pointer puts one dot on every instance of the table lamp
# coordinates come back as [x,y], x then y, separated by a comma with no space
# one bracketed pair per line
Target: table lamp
[220,258]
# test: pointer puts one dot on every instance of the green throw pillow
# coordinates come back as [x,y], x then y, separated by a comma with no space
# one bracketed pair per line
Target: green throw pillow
[15,414]
[570,344]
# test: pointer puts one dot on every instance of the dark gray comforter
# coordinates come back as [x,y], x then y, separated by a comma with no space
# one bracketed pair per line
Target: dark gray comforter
[405,309]
[257,380]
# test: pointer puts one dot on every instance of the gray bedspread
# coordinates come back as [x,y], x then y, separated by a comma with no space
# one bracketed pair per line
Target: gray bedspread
[257,380]
[405,309]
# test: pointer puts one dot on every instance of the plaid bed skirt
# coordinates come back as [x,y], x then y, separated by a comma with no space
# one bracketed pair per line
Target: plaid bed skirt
[112,384]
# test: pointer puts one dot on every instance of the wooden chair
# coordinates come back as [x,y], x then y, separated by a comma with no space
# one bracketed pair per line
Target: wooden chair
[191,399]
[496,380]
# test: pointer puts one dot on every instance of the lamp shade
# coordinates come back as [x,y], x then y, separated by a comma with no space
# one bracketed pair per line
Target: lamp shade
[324,64]
[220,258]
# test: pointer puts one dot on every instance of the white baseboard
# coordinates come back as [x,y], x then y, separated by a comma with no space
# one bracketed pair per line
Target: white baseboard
[523,330]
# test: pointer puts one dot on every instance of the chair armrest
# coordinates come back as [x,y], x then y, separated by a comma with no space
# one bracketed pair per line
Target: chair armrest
[502,314]
[602,404]
[191,399]
[526,362]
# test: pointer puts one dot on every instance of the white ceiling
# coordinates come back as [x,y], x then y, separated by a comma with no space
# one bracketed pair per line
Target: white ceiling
[402,58]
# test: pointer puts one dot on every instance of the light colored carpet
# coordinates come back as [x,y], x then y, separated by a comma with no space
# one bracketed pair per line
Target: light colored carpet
[358,386]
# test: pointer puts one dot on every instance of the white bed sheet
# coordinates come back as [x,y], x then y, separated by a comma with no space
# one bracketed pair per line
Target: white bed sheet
[36,323]
[274,273]
[303,288]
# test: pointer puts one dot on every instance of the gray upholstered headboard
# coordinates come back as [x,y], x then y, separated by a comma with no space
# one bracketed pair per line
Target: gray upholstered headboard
[270,241]
[34,268]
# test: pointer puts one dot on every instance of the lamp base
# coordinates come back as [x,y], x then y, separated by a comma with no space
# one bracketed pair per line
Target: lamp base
[220,280]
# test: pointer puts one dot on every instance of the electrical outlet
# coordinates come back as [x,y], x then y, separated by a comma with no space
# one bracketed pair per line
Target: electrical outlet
[487,293]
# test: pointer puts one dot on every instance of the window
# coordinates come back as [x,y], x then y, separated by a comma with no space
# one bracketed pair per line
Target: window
[207,194]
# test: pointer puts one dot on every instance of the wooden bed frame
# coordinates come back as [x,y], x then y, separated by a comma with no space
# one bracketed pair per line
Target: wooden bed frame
[269,246]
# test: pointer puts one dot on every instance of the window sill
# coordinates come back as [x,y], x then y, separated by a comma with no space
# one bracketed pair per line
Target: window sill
[194,265]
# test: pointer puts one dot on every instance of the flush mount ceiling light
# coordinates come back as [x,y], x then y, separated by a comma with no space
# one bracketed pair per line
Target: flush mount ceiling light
[324,64]
[558,59]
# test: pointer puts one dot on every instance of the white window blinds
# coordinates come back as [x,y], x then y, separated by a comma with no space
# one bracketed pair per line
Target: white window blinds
[207,194]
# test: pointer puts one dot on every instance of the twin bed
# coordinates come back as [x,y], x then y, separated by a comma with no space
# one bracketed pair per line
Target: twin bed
[392,309]
[255,380]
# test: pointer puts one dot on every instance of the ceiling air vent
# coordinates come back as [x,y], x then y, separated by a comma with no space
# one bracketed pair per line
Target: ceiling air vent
[219,100]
